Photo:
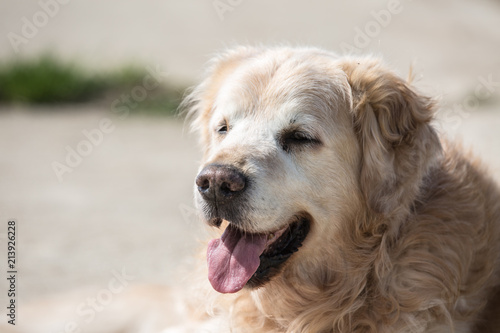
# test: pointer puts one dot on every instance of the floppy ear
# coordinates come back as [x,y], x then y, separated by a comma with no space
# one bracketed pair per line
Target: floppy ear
[398,144]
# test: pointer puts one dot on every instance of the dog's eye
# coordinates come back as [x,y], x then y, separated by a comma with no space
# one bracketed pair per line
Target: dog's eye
[299,137]
[296,139]
[222,128]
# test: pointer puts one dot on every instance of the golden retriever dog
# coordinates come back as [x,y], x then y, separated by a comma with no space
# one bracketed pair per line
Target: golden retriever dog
[338,207]
[335,207]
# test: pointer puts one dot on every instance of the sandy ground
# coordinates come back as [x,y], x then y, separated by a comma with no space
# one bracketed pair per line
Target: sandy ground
[128,204]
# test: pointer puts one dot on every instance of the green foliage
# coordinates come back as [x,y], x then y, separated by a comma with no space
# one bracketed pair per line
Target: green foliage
[46,80]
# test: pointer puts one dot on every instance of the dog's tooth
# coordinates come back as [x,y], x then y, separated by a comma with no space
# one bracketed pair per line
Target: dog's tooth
[270,236]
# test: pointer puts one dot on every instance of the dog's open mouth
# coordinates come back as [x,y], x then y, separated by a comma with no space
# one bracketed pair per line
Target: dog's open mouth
[239,258]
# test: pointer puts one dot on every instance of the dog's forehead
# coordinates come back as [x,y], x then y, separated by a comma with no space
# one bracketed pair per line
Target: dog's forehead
[288,90]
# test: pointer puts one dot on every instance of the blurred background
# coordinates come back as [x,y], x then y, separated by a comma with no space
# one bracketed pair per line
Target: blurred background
[97,169]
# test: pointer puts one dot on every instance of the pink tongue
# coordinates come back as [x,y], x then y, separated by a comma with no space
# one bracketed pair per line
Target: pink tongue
[233,259]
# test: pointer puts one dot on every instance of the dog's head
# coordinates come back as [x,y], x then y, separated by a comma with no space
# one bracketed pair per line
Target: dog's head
[296,143]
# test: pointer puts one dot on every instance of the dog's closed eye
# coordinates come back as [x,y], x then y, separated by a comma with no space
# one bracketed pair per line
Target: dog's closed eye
[296,139]
[222,128]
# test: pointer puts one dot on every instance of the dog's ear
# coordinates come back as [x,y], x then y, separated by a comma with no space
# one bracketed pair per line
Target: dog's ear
[398,144]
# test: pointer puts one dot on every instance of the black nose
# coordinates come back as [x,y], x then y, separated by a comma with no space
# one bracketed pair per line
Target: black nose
[220,182]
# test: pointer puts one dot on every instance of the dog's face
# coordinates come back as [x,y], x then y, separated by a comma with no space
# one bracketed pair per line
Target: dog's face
[283,161]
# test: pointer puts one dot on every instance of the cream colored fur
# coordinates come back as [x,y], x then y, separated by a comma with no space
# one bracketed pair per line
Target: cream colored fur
[405,233]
